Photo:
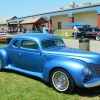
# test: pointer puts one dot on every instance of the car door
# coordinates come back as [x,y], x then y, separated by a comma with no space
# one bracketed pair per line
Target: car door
[29,56]
[12,52]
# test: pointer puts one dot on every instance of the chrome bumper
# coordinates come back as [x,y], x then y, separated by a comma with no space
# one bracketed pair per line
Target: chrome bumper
[92,83]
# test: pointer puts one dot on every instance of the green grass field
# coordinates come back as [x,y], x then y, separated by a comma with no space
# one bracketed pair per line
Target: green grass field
[66,34]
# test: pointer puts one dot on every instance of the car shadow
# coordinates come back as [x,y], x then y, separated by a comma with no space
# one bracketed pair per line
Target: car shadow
[87,92]
[28,76]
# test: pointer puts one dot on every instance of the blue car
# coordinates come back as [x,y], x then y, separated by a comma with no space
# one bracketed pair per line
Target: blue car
[47,57]
[34,31]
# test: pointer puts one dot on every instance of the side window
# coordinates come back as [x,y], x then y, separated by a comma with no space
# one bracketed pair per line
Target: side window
[29,44]
[48,43]
[16,43]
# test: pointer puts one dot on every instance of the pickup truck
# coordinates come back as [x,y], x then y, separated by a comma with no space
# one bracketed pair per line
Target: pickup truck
[89,32]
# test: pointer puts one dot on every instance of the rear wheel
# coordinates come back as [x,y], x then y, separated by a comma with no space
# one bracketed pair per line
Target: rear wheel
[61,81]
[97,37]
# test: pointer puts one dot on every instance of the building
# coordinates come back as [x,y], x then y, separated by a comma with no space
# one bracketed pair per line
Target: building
[3,24]
[88,13]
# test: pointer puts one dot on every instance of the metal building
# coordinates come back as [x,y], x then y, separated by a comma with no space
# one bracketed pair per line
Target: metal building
[88,13]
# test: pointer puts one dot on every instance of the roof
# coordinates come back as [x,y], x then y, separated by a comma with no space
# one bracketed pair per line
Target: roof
[2,23]
[64,9]
[37,36]
[34,20]
[3,20]
[61,10]
[13,23]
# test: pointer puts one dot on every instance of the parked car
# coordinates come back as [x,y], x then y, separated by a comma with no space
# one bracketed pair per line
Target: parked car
[89,32]
[4,32]
[33,31]
[46,56]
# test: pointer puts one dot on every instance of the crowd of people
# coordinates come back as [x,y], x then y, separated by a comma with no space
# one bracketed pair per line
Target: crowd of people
[44,29]
[48,30]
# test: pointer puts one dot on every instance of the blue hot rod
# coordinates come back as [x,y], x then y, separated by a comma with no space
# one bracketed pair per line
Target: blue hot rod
[47,57]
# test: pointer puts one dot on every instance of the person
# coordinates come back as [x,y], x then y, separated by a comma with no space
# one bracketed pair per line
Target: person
[45,29]
[2,29]
[75,32]
[33,28]
[50,30]
[18,30]
[22,29]
[9,28]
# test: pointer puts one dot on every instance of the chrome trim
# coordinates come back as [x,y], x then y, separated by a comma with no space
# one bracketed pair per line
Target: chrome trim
[92,83]
[60,81]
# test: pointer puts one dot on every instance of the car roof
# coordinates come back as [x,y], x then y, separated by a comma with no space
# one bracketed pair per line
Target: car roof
[89,28]
[36,36]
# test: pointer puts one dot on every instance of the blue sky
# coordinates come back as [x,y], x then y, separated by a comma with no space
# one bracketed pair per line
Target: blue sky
[21,8]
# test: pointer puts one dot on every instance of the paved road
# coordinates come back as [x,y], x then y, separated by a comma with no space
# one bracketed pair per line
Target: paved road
[94,45]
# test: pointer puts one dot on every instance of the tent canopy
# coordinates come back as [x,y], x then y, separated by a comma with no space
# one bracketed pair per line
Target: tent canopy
[76,24]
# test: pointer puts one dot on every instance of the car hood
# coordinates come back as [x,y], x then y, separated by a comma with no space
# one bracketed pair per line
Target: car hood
[87,56]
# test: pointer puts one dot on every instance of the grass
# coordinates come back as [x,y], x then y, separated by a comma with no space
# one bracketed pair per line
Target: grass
[66,34]
[17,86]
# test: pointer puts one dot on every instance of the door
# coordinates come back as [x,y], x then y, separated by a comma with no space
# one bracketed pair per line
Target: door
[59,25]
[29,56]
[12,53]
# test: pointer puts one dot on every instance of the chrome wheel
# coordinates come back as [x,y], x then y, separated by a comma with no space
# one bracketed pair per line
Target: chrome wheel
[60,81]
[97,37]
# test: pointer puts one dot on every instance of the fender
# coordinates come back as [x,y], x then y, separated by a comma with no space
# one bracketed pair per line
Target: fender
[4,58]
[73,66]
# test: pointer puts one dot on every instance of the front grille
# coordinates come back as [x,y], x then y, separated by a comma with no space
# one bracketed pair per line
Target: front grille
[96,69]
[87,78]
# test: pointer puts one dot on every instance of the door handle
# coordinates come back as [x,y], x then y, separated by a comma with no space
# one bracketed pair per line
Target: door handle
[20,55]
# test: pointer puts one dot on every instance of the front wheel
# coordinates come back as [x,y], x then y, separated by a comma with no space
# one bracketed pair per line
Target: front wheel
[97,37]
[61,81]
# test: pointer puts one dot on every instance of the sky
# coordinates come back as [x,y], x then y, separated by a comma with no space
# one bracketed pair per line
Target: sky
[21,8]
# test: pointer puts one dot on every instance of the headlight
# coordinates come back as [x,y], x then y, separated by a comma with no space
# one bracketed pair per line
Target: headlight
[86,70]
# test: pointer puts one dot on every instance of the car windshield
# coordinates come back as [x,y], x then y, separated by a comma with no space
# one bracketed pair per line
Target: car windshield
[52,43]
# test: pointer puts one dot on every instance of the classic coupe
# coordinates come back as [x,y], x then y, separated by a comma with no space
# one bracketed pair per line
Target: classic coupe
[47,57]
[90,32]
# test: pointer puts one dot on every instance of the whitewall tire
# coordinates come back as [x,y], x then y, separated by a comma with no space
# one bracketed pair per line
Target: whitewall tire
[97,38]
[61,81]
